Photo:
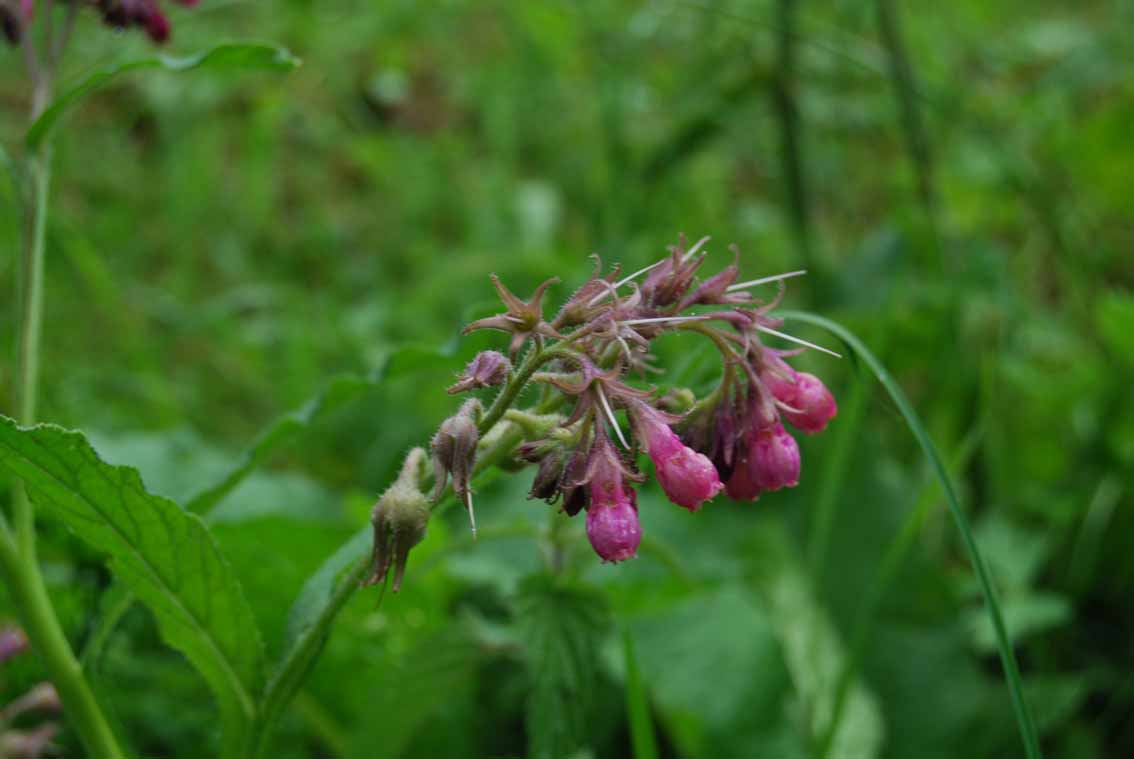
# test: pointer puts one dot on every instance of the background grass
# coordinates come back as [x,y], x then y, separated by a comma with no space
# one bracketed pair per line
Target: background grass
[221,245]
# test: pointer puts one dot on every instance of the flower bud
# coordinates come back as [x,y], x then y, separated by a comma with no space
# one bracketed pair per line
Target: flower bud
[454,453]
[399,518]
[487,369]
[612,516]
[545,486]
[773,458]
[687,477]
[679,400]
[816,406]
[13,642]
[612,525]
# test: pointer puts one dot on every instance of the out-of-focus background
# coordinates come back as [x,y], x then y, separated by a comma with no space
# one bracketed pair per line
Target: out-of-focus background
[956,177]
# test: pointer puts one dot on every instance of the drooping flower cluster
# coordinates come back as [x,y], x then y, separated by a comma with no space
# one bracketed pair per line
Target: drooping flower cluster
[147,15]
[586,358]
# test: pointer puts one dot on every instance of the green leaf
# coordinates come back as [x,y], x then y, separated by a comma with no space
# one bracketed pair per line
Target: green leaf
[1007,654]
[404,695]
[161,553]
[339,392]
[637,704]
[562,627]
[233,55]
[813,651]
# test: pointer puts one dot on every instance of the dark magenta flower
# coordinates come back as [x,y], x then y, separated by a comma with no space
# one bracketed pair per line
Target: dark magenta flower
[773,458]
[687,477]
[813,403]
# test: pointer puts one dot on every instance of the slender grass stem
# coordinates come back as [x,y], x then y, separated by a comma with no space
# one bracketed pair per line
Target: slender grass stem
[913,421]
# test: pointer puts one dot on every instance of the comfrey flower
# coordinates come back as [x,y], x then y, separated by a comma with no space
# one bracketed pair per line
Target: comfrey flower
[595,416]
[687,477]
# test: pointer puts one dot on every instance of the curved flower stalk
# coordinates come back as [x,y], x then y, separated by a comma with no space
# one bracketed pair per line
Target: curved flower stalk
[591,358]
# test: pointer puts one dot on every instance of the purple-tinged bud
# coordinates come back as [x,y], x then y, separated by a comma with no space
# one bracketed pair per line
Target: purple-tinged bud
[32,744]
[42,698]
[399,519]
[613,528]
[545,486]
[773,458]
[454,453]
[487,369]
[13,642]
[814,403]
[687,477]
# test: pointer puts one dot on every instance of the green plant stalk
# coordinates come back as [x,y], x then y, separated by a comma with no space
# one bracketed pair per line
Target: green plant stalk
[31,328]
[1007,655]
[18,551]
[40,623]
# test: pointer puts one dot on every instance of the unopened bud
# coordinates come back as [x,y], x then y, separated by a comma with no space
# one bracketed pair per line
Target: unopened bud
[613,527]
[399,518]
[41,698]
[454,453]
[679,400]
[687,477]
[487,369]
[814,403]
[773,458]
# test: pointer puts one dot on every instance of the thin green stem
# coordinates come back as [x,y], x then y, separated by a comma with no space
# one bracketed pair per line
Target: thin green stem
[40,623]
[913,421]
[17,545]
[31,327]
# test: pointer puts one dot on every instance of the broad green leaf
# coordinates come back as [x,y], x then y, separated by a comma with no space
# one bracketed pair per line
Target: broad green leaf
[237,55]
[339,392]
[164,555]
[562,627]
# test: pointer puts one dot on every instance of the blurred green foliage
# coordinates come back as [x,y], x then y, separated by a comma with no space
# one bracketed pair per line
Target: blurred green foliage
[221,245]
